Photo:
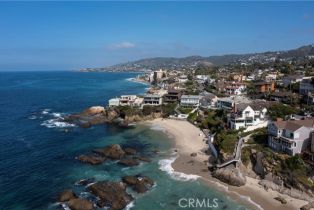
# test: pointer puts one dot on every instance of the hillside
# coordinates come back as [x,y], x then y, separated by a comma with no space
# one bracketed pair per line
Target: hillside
[173,63]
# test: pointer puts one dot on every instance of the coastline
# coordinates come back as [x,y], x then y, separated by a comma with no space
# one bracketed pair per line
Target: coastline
[251,194]
[136,80]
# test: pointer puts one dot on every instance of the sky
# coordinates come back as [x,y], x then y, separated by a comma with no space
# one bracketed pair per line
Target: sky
[74,35]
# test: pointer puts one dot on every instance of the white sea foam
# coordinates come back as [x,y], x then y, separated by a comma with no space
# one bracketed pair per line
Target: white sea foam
[165,165]
[57,115]
[55,123]
[65,206]
[33,117]
[129,206]
[45,111]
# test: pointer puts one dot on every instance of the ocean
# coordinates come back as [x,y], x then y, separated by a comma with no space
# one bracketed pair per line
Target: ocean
[37,153]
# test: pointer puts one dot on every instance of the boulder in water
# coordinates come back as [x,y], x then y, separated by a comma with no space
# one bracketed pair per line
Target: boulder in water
[113,152]
[111,194]
[80,204]
[66,196]
[139,184]
[94,110]
[130,151]
[129,162]
[91,159]
[145,159]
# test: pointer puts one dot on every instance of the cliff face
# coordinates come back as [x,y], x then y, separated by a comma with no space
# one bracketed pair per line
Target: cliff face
[285,174]
[99,115]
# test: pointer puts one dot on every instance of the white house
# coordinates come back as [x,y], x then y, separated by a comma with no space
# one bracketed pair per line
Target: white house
[182,79]
[190,100]
[291,137]
[114,102]
[248,116]
[152,99]
[127,100]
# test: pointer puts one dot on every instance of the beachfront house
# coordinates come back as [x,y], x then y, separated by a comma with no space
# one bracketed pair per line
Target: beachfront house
[127,100]
[290,137]
[114,102]
[172,96]
[189,101]
[249,116]
[152,99]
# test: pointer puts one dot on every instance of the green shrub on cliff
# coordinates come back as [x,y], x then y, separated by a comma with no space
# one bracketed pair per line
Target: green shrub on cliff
[226,140]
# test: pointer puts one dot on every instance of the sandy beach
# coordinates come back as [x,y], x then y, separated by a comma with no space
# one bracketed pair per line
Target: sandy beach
[190,139]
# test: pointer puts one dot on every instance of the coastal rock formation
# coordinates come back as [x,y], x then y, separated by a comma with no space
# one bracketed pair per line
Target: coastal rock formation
[281,200]
[291,192]
[138,183]
[91,159]
[99,115]
[258,167]
[85,182]
[80,204]
[230,175]
[111,194]
[129,162]
[94,110]
[308,206]
[113,152]
[194,154]
[66,196]
[145,159]
[130,151]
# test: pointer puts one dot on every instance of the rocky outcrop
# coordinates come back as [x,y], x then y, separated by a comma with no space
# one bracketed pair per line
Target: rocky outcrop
[139,118]
[91,159]
[283,190]
[85,182]
[113,152]
[94,110]
[282,200]
[145,159]
[230,175]
[111,194]
[100,115]
[258,167]
[194,154]
[129,162]
[66,196]
[138,183]
[80,204]
[130,151]
[308,206]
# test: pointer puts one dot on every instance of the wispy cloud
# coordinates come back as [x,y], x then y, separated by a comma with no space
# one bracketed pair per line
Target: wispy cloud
[123,45]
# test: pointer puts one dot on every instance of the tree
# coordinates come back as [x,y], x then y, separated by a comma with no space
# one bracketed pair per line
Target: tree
[280,111]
